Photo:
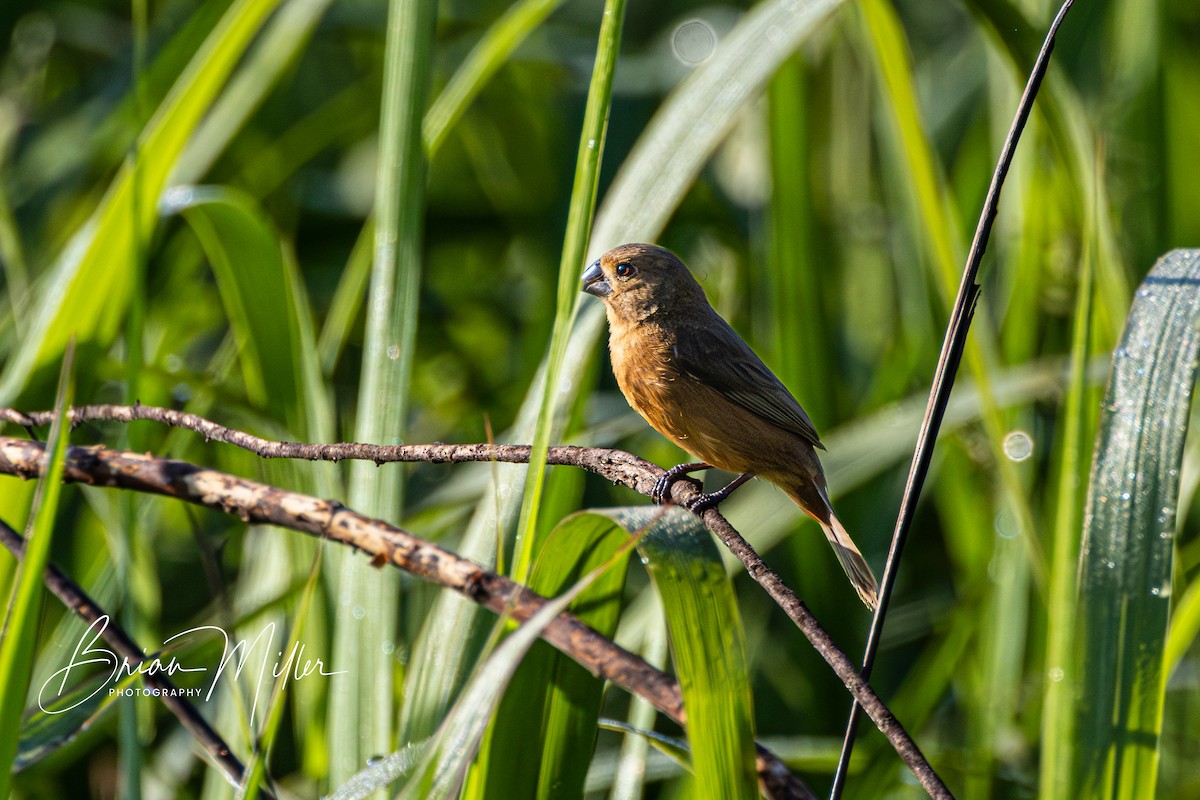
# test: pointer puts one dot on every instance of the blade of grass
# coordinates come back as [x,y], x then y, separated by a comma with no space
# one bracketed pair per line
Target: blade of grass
[575,242]
[455,629]
[347,299]
[501,39]
[937,225]
[794,279]
[18,644]
[277,50]
[542,738]
[1129,536]
[131,752]
[458,738]
[956,341]
[629,780]
[256,765]
[1061,680]
[1068,121]
[707,645]
[248,263]
[361,715]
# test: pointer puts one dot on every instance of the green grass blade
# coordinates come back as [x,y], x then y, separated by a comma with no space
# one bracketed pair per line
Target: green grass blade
[1129,535]
[936,225]
[18,644]
[1061,679]
[794,270]
[707,645]
[256,766]
[347,300]
[361,714]
[89,288]
[381,773]
[453,634]
[632,763]
[575,242]
[248,262]
[1185,627]
[45,730]
[553,704]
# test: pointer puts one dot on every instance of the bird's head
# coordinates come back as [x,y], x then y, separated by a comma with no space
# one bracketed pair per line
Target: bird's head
[636,281]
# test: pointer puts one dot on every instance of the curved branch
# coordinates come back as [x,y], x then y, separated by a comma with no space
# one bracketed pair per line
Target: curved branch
[617,466]
[255,502]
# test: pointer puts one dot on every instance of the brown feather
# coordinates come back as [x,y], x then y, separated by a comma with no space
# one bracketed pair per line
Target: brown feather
[689,374]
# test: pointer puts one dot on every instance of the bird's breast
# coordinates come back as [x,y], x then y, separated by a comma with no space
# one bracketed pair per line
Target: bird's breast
[698,417]
[646,372]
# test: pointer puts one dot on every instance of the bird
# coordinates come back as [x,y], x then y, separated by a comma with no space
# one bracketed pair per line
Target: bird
[688,373]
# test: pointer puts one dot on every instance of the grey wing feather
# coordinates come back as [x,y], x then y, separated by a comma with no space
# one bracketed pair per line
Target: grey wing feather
[743,378]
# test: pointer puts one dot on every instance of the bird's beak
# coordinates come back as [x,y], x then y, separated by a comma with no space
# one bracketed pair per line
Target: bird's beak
[593,281]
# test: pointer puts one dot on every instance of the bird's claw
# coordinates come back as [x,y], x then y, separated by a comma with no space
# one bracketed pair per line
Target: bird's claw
[661,492]
[703,502]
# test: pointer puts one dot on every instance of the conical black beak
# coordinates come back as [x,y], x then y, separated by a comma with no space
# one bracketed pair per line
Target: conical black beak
[594,282]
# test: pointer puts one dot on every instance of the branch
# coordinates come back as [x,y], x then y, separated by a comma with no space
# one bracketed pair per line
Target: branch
[84,607]
[260,503]
[617,466]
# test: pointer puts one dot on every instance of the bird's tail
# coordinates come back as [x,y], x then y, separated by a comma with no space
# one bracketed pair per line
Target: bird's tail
[852,561]
[810,495]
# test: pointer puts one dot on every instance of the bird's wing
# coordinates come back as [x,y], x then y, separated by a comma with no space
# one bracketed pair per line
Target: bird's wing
[717,356]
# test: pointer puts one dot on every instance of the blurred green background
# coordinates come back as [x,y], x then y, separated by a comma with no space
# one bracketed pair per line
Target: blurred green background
[828,224]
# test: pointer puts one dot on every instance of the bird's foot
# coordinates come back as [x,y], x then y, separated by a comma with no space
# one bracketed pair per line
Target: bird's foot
[661,493]
[703,502]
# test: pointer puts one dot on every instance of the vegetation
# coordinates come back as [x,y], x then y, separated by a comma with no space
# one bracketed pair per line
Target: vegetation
[320,221]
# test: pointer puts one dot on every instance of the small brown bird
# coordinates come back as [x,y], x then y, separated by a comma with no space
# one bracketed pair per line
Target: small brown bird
[688,373]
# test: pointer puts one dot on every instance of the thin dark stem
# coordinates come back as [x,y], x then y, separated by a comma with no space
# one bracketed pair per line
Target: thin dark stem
[943,382]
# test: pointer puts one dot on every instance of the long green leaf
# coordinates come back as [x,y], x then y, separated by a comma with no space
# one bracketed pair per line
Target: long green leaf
[707,645]
[937,225]
[552,702]
[575,242]
[1129,535]
[249,265]
[18,643]
[278,48]
[480,65]
[362,717]
[1061,678]
[459,736]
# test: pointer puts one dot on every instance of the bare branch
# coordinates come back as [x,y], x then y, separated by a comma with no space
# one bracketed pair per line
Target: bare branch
[256,502]
[617,466]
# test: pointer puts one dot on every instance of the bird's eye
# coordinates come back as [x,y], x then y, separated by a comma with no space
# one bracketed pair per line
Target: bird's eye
[625,269]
